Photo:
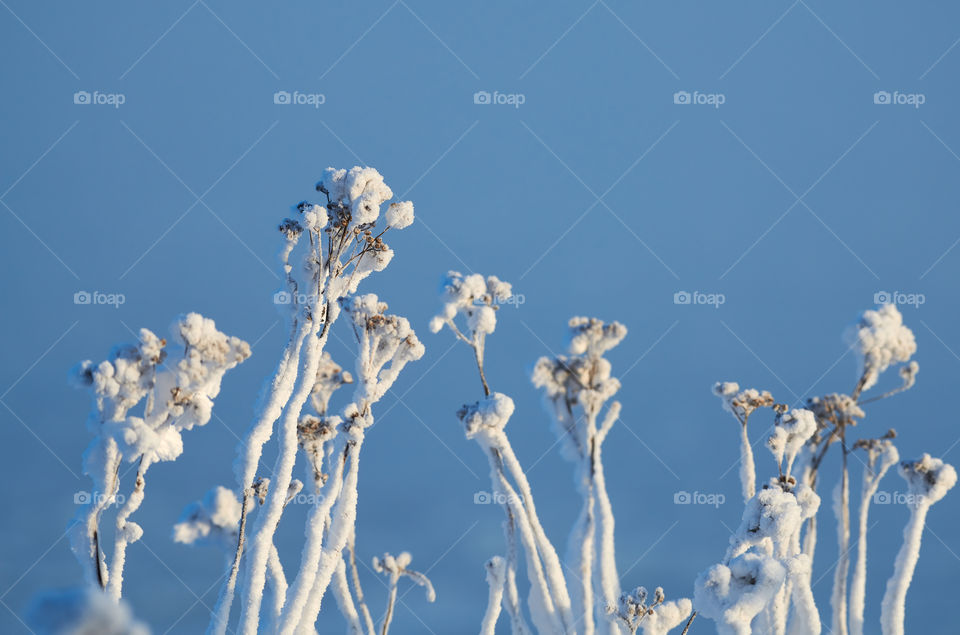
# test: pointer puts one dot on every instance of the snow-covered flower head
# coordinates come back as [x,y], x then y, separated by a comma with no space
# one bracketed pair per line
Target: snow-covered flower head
[881,340]
[656,618]
[384,339]
[313,435]
[473,297]
[576,386]
[330,377]
[400,215]
[214,520]
[207,355]
[741,403]
[836,409]
[772,515]
[85,611]
[929,479]
[123,379]
[396,567]
[733,594]
[791,431]
[362,190]
[179,383]
[593,338]
[489,415]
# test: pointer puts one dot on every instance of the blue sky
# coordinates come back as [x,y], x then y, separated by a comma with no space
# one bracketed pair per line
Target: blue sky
[798,198]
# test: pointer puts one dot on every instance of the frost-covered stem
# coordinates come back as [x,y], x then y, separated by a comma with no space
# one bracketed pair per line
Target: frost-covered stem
[608,577]
[391,601]
[313,547]
[271,406]
[344,515]
[689,622]
[518,625]
[478,353]
[221,612]
[580,553]
[892,610]
[542,608]
[86,539]
[357,588]
[496,572]
[838,601]
[858,584]
[748,477]
[121,538]
[269,516]
[341,591]
[551,562]
[278,584]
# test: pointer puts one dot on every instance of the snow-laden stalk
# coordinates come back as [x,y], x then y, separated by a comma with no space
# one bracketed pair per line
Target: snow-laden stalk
[581,554]
[314,578]
[341,591]
[511,597]
[316,521]
[881,455]
[396,567]
[606,563]
[358,589]
[496,579]
[928,480]
[841,509]
[551,562]
[267,520]
[126,532]
[542,607]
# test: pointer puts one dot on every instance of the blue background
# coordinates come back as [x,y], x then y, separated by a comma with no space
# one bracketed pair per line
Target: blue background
[798,199]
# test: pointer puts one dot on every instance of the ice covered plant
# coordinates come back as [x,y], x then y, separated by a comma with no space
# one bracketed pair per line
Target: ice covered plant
[779,521]
[928,480]
[145,396]
[327,250]
[577,388]
[881,456]
[394,568]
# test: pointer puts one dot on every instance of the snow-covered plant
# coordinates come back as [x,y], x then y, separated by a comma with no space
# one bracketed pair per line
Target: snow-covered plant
[577,388]
[145,395]
[928,480]
[786,507]
[176,385]
[327,250]
[396,567]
